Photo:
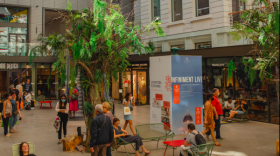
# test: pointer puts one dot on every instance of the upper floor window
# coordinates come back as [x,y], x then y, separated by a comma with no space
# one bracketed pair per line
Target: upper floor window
[177,10]
[13,15]
[155,9]
[202,7]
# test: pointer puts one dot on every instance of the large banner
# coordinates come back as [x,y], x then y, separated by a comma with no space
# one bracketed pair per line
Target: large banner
[187,93]
[176,92]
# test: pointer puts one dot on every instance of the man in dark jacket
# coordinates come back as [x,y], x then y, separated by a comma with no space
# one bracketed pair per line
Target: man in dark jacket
[102,133]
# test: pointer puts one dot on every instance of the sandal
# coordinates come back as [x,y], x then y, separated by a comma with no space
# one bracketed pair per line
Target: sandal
[149,152]
[218,144]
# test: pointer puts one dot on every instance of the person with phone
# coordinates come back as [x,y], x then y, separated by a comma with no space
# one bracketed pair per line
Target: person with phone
[128,101]
[121,133]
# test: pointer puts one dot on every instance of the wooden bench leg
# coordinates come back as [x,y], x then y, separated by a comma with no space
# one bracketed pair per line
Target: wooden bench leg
[40,105]
[51,105]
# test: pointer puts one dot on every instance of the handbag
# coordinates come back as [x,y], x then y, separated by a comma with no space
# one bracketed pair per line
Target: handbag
[8,115]
[131,108]
[74,97]
[126,110]
[15,113]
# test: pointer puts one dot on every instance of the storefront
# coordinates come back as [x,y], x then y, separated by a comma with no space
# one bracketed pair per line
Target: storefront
[44,81]
[261,96]
[136,81]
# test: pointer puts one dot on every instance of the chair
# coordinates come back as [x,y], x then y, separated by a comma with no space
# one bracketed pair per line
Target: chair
[202,150]
[40,98]
[119,142]
[154,132]
[16,149]
[245,114]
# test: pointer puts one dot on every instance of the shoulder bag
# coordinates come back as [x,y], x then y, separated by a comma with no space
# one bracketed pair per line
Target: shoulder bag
[15,113]
[131,108]
[8,115]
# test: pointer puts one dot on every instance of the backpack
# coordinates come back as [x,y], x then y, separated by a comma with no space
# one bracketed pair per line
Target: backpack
[199,139]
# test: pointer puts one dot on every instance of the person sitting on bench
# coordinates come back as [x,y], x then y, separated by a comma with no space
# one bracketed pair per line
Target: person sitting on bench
[119,132]
[240,109]
[229,105]
[28,98]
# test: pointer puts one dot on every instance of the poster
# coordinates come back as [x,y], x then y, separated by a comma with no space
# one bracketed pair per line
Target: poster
[187,93]
[176,92]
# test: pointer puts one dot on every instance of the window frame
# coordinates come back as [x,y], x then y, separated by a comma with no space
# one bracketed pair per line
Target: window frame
[196,8]
[172,11]
[153,12]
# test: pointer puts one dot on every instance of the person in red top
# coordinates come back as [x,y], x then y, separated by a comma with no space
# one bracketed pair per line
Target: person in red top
[216,103]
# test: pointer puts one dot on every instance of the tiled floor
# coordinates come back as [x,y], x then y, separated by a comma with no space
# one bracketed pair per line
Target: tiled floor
[245,139]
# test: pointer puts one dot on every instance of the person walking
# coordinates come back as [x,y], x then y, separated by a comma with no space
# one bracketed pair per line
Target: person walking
[209,123]
[108,113]
[62,107]
[101,132]
[20,98]
[73,103]
[128,101]
[27,86]
[216,103]
[6,113]
[15,111]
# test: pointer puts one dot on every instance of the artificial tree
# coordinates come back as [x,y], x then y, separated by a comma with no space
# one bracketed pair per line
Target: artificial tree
[98,45]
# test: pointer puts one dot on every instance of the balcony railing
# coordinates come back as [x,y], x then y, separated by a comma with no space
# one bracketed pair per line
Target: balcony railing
[20,49]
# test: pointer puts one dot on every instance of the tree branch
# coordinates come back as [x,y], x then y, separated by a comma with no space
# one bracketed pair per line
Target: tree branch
[89,73]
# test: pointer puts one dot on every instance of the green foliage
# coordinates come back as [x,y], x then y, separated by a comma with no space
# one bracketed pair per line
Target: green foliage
[69,6]
[89,109]
[249,67]
[261,27]
[231,68]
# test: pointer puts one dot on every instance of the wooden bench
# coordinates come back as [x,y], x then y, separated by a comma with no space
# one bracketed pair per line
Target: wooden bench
[44,102]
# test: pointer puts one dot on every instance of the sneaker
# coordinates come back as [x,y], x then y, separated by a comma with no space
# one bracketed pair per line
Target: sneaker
[222,138]
[33,108]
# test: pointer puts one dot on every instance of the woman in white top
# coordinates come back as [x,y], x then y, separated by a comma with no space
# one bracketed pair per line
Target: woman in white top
[62,107]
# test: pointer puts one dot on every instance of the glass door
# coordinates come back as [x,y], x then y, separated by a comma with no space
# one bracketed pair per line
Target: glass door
[139,85]
[14,77]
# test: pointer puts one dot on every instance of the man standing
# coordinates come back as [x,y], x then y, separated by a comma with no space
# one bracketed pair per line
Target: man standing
[216,103]
[102,133]
[27,86]
[229,105]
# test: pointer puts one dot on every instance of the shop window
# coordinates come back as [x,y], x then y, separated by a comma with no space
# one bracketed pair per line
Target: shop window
[203,45]
[177,10]
[13,15]
[202,7]
[158,47]
[155,9]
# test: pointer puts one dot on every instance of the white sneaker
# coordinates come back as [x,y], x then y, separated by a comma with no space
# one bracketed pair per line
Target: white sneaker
[33,108]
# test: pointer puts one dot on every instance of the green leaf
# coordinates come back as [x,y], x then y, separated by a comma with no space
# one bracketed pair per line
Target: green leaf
[69,6]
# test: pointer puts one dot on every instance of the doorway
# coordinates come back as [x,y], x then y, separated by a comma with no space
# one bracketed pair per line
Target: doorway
[139,86]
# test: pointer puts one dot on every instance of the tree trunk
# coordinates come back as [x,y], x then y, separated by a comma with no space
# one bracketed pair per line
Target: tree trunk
[94,100]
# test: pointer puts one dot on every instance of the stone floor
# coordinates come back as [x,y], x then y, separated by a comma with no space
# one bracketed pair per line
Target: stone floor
[242,139]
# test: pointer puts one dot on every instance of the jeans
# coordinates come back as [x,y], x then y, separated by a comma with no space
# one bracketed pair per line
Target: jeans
[109,151]
[13,121]
[63,122]
[136,139]
[226,110]
[217,127]
[5,123]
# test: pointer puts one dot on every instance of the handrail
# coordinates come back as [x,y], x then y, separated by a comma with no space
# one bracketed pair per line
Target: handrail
[247,10]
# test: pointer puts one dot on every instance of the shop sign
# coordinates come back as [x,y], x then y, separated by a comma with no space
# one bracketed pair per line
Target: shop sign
[135,65]
[12,65]
[2,65]
[219,65]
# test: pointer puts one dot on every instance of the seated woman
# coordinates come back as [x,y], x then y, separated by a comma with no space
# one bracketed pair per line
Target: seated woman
[240,109]
[119,132]
[24,150]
